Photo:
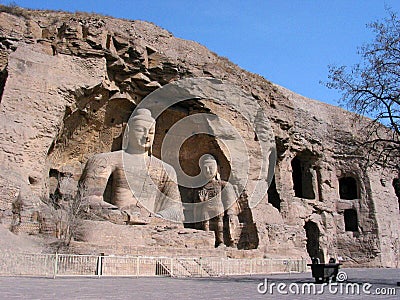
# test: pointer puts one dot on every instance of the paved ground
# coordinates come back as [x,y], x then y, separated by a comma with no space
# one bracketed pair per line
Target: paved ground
[380,280]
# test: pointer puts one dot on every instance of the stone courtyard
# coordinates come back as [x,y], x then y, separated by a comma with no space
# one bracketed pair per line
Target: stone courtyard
[381,280]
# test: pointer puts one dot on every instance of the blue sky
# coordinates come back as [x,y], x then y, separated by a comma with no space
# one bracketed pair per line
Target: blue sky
[289,42]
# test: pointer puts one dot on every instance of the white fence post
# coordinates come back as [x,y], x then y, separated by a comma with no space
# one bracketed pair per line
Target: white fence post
[172,267]
[137,266]
[55,265]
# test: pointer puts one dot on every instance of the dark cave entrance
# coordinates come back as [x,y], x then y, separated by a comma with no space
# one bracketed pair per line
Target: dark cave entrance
[348,188]
[297,177]
[302,175]
[313,246]
[350,220]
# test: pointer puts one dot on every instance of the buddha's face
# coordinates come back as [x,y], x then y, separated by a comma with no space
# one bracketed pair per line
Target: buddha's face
[141,135]
[209,169]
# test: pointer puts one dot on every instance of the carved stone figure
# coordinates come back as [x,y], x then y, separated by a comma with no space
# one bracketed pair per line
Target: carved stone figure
[141,183]
[217,197]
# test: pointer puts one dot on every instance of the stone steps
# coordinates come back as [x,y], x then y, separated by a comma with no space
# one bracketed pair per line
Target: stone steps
[193,267]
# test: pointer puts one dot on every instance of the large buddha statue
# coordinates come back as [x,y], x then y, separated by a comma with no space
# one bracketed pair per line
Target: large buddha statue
[143,187]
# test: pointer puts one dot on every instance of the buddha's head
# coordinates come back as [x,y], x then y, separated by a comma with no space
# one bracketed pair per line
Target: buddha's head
[209,167]
[139,135]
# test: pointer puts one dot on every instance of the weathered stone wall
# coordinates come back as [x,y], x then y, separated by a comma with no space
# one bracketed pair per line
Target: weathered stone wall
[69,82]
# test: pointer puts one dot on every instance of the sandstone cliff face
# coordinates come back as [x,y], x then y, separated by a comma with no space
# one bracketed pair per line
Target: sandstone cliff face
[69,83]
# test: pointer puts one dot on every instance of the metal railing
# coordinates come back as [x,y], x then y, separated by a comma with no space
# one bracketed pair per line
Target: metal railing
[53,265]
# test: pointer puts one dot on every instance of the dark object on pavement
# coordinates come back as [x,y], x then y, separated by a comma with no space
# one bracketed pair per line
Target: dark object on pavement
[323,272]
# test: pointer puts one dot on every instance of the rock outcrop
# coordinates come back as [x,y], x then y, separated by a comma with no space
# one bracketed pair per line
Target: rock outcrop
[68,84]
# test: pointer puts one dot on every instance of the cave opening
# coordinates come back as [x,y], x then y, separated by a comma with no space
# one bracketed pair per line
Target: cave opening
[191,149]
[297,177]
[189,155]
[53,184]
[313,245]
[348,188]
[196,144]
[302,175]
[350,220]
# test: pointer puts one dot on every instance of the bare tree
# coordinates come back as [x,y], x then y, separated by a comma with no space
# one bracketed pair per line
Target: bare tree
[372,88]
[66,209]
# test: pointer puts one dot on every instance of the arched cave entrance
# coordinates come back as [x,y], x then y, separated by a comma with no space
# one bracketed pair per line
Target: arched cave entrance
[192,148]
[313,245]
[189,154]
[348,188]
[191,151]
[350,220]
[303,176]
